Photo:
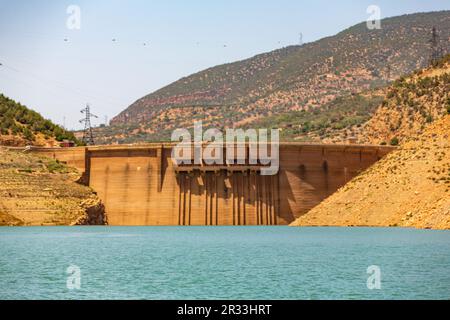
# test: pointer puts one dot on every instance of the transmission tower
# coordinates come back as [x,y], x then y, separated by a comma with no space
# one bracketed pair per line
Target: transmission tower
[436,49]
[88,136]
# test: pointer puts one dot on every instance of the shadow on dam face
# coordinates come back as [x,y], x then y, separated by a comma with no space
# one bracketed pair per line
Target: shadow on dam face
[140,185]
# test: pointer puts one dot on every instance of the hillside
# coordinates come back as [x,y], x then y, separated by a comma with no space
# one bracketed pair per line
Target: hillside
[296,78]
[411,186]
[330,121]
[408,188]
[411,104]
[36,190]
[20,126]
[380,116]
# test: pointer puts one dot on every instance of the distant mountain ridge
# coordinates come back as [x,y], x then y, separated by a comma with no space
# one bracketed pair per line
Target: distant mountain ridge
[289,79]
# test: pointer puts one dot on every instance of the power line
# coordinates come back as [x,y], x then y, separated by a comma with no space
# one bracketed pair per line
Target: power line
[17,76]
[86,94]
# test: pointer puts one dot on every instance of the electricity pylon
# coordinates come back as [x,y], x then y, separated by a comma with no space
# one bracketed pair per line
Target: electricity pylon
[88,136]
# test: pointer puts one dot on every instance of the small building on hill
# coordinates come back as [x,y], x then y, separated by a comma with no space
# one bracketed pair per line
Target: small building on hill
[67,144]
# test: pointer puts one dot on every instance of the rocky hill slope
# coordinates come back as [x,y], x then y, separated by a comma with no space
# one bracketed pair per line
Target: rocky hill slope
[408,188]
[387,115]
[20,126]
[36,190]
[410,104]
[411,186]
[296,78]
[334,122]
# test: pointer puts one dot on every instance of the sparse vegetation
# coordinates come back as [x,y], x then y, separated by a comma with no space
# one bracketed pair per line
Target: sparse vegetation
[344,112]
[54,166]
[394,141]
[411,104]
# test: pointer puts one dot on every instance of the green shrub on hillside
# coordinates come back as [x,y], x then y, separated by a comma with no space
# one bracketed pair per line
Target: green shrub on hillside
[17,119]
[54,166]
[27,134]
[394,141]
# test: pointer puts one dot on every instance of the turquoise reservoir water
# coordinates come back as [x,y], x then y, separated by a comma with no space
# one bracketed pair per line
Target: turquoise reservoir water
[223,263]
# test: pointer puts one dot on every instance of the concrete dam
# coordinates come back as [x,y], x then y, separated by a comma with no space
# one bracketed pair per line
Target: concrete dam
[140,184]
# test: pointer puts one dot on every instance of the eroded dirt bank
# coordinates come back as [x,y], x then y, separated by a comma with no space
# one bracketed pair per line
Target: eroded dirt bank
[36,191]
[410,187]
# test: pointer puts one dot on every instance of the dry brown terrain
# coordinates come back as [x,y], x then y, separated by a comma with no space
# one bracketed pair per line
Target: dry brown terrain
[39,140]
[411,103]
[408,188]
[35,190]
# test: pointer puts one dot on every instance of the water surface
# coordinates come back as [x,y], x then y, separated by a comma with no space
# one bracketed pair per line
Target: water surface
[223,263]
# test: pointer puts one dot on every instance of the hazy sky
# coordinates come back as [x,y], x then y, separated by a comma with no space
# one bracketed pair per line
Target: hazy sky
[55,70]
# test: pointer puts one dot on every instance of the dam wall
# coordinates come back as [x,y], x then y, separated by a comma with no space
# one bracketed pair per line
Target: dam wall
[140,185]
[74,157]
